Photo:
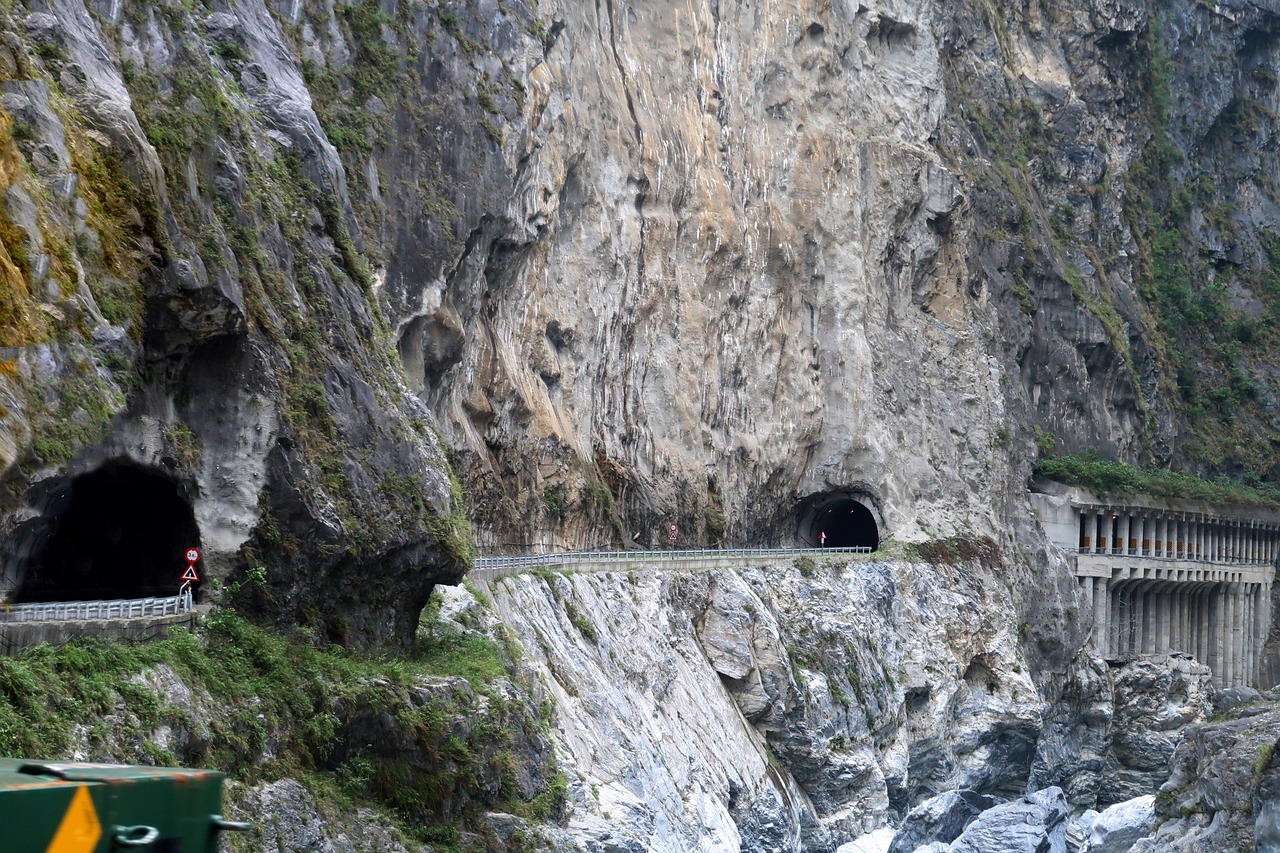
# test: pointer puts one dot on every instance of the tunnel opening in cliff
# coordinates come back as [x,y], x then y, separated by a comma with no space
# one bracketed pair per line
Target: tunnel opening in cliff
[119,531]
[845,521]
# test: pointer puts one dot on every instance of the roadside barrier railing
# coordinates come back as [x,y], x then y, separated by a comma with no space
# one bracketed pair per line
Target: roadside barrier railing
[488,568]
[125,608]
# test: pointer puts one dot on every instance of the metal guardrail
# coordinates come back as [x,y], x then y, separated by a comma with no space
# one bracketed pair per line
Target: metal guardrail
[490,567]
[1178,556]
[126,608]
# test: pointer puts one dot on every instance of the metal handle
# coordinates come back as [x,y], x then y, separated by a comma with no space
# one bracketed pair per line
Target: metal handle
[221,824]
[134,836]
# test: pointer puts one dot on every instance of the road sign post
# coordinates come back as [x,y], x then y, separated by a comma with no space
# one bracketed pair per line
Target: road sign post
[673,533]
[193,557]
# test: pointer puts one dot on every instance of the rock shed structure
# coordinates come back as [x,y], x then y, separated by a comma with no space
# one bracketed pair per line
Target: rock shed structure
[1167,577]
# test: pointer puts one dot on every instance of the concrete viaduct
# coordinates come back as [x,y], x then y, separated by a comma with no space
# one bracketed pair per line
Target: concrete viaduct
[1164,578]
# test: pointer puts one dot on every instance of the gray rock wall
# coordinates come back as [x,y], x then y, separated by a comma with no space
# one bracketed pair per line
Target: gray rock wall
[641,264]
[789,708]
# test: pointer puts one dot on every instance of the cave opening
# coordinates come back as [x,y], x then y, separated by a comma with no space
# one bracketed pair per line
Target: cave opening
[119,531]
[841,522]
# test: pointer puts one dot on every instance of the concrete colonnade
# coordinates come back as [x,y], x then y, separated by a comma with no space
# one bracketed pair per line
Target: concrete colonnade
[1222,621]
[1176,535]
[1185,578]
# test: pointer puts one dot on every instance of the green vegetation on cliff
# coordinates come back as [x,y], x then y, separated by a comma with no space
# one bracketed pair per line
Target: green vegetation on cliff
[1107,477]
[263,706]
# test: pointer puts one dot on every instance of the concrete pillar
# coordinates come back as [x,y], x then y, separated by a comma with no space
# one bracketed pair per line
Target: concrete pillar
[1201,540]
[1086,586]
[1208,612]
[1233,633]
[1242,632]
[1139,620]
[1228,633]
[1130,623]
[1155,604]
[1190,627]
[1261,625]
[1163,643]
[1101,630]
[1116,616]
[1250,640]
[1193,623]
[1217,604]
[1197,624]
[1180,602]
[1108,532]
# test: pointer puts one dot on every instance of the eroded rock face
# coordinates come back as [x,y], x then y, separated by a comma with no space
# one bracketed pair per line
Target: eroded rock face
[1120,826]
[1223,786]
[940,820]
[191,297]
[1036,823]
[673,689]
[286,816]
[1155,700]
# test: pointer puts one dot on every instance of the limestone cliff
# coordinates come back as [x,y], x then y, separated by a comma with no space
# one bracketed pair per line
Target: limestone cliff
[638,263]
[643,264]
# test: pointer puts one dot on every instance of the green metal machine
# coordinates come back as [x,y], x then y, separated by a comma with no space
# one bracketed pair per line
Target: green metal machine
[56,807]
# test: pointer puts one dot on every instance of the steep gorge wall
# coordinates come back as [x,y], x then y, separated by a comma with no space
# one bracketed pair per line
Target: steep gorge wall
[796,707]
[642,263]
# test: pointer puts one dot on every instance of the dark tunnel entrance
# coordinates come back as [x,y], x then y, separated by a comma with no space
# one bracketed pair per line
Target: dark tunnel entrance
[846,523]
[117,532]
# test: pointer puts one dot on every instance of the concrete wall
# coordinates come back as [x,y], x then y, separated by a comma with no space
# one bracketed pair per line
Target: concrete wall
[1163,577]
[18,636]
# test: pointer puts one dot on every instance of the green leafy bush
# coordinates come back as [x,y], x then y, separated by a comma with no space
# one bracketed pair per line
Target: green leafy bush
[1108,477]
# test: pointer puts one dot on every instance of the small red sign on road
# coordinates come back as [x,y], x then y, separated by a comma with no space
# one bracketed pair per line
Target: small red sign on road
[190,573]
[673,532]
[193,555]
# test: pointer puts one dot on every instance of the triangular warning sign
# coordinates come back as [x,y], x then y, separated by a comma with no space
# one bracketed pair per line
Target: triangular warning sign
[80,830]
[190,574]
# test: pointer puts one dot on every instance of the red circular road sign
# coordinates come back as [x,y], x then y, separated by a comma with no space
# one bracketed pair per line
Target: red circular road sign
[673,532]
[193,555]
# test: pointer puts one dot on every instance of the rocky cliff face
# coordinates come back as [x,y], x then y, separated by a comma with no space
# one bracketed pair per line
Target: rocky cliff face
[188,299]
[755,255]
[704,265]
[797,707]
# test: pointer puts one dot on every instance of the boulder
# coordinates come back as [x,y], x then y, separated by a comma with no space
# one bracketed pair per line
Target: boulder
[1037,823]
[1235,697]
[941,818]
[873,842]
[1119,827]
